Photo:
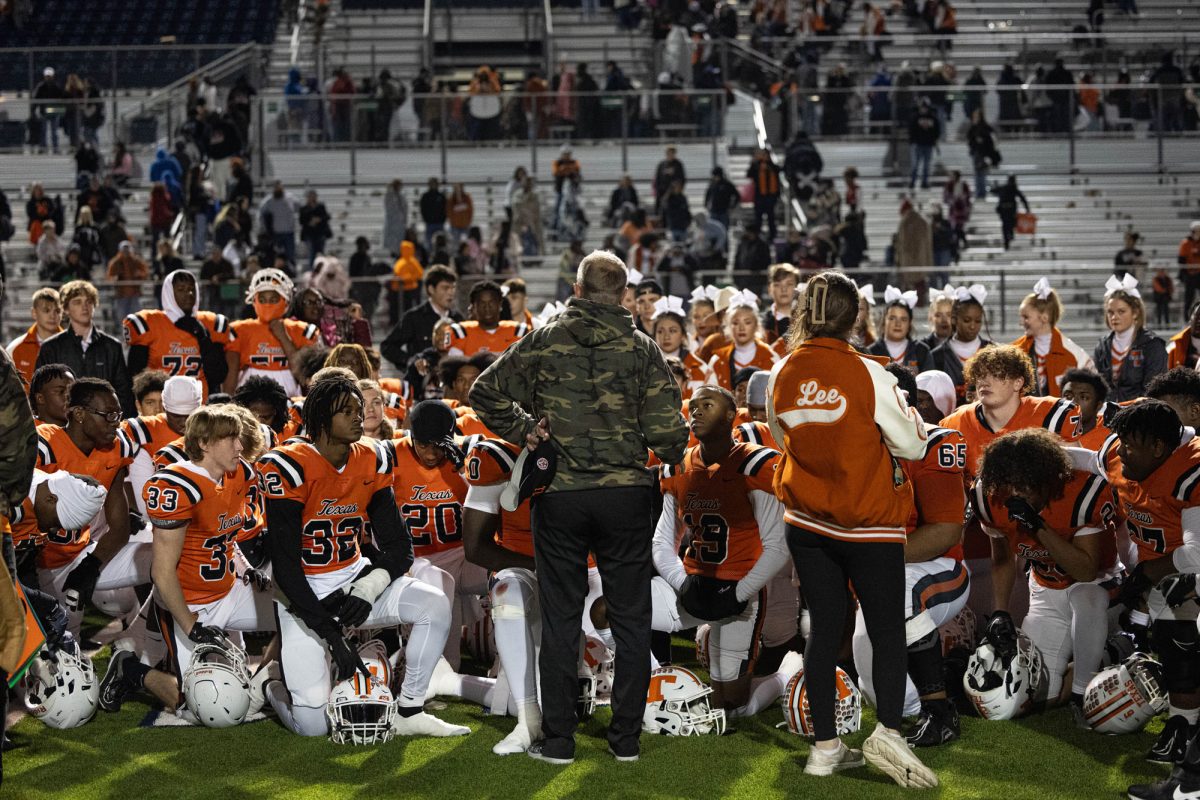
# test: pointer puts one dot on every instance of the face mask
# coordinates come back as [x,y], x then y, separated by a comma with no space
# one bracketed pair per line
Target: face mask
[268,312]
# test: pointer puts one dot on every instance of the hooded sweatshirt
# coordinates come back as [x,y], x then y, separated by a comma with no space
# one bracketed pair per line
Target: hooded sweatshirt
[603,386]
[407,269]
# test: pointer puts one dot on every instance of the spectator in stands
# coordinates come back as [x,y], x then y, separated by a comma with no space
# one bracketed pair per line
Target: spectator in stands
[874,28]
[221,287]
[277,216]
[127,269]
[839,89]
[390,94]
[87,238]
[1089,101]
[721,197]
[224,144]
[1129,355]
[329,277]
[314,226]
[765,177]
[923,134]
[120,169]
[753,257]
[956,197]
[433,211]
[84,349]
[913,245]
[568,264]
[166,169]
[363,290]
[981,144]
[49,105]
[1129,258]
[483,107]
[668,171]
[395,218]
[87,160]
[566,172]
[112,233]
[161,214]
[677,216]
[710,242]
[563,86]
[974,92]
[1006,206]
[341,105]
[51,253]
[406,287]
[825,205]
[414,334]
[1171,80]
[527,217]
[1011,95]
[167,260]
[40,208]
[98,198]
[1062,101]
[241,185]
[294,90]
[852,240]
[1164,289]
[514,184]
[676,272]
[587,104]
[460,212]
[622,202]
[943,241]
[1189,265]
[199,208]
[93,113]
[802,165]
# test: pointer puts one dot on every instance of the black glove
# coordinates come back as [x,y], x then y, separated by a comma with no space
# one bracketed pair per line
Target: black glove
[207,634]
[1001,634]
[1024,515]
[1177,589]
[136,523]
[81,582]
[256,579]
[710,599]
[346,660]
[453,452]
[1134,587]
[1139,633]
[353,611]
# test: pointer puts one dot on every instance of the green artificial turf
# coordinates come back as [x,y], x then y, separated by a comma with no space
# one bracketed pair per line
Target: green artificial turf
[1041,758]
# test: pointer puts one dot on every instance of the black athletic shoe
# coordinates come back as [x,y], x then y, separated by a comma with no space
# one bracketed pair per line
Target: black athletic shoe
[1172,742]
[114,687]
[1179,786]
[937,725]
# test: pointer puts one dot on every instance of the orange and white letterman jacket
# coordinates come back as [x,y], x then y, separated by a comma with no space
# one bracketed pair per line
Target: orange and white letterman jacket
[842,425]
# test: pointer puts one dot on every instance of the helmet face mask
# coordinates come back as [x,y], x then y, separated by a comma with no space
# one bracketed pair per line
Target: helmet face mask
[216,685]
[61,688]
[677,704]
[847,707]
[1005,691]
[361,710]
[1124,697]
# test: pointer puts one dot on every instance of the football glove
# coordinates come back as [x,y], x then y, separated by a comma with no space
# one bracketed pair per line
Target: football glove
[206,634]
[364,591]
[1001,634]
[257,579]
[710,599]
[1139,633]
[453,452]
[346,660]
[1177,589]
[1134,587]
[1021,512]
[80,584]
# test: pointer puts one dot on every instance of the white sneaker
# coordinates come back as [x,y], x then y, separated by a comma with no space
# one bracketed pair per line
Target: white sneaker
[790,664]
[422,724]
[890,752]
[518,741]
[823,763]
[443,681]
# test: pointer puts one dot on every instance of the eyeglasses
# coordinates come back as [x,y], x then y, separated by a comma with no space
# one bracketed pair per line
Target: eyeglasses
[111,416]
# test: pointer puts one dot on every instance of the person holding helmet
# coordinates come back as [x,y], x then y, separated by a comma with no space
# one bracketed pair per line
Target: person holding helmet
[267,345]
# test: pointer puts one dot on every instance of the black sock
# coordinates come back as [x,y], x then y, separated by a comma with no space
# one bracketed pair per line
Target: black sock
[135,674]
[925,665]
[409,711]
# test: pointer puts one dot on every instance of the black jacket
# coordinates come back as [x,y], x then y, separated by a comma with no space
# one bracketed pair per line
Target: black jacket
[721,197]
[413,334]
[1146,358]
[314,214]
[433,207]
[103,359]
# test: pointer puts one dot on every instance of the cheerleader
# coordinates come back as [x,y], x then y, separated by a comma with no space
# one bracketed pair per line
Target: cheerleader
[669,326]
[864,335]
[966,320]
[702,315]
[1052,353]
[718,338]
[782,280]
[745,348]
[1128,356]
[897,324]
[940,327]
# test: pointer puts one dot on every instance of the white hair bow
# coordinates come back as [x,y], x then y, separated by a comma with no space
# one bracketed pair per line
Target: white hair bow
[635,277]
[867,293]
[1043,288]
[703,293]
[550,311]
[891,295]
[745,298]
[947,292]
[668,305]
[1128,284]
[976,292]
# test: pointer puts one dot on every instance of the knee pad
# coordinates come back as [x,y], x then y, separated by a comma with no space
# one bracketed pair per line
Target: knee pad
[929,641]
[1178,645]
[917,628]
[510,598]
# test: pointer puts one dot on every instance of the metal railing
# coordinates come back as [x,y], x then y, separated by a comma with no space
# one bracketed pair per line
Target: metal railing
[548,37]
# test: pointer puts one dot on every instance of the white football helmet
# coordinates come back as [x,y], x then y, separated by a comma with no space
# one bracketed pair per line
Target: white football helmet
[1123,698]
[960,632]
[1000,691]
[361,711]
[847,710]
[1117,648]
[599,660]
[677,705]
[216,685]
[702,635]
[61,688]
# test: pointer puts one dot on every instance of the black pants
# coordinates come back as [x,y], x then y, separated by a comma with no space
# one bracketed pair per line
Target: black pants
[615,525]
[876,571]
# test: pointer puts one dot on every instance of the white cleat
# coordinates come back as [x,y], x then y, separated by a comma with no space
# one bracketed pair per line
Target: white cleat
[422,724]
[890,753]
[518,741]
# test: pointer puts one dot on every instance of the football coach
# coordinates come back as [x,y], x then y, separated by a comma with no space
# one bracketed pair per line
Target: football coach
[591,395]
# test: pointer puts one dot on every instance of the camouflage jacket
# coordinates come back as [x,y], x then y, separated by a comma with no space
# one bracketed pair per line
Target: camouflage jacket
[603,386]
[18,444]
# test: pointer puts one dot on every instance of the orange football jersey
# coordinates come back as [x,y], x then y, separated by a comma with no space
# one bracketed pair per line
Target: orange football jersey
[214,515]
[1153,508]
[1086,503]
[755,433]
[713,511]
[697,374]
[257,347]
[490,462]
[168,454]
[150,433]
[1097,436]
[24,523]
[1054,414]
[172,350]
[937,481]
[430,500]
[56,451]
[468,338]
[334,502]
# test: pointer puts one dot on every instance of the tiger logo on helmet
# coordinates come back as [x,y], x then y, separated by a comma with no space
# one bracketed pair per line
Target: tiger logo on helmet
[847,710]
[678,704]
